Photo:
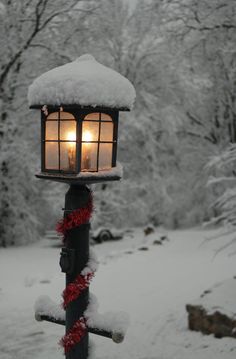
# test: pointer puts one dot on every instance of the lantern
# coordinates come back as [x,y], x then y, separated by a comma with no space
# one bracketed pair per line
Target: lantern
[80,104]
[75,140]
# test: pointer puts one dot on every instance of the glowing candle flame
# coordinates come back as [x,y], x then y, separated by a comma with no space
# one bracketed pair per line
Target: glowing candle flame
[71,136]
[87,136]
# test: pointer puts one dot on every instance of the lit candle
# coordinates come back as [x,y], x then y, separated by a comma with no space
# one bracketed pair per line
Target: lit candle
[71,136]
[87,136]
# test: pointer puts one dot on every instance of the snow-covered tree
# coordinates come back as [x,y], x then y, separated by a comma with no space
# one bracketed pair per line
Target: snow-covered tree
[27,33]
[180,57]
[222,177]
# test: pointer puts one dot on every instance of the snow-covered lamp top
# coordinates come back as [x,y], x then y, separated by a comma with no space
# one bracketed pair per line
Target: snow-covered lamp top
[83,82]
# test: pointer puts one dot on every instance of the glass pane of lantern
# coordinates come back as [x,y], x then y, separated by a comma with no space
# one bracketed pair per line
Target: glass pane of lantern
[51,155]
[105,117]
[94,116]
[53,116]
[106,131]
[105,156]
[68,156]
[90,131]
[89,157]
[68,130]
[66,116]
[51,132]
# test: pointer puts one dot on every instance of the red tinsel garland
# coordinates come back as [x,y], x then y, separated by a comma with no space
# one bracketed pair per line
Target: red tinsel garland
[75,335]
[72,291]
[76,218]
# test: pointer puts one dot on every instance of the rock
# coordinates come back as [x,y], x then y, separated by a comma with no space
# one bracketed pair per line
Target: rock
[164,238]
[148,230]
[216,323]
[157,241]
[215,311]
[143,248]
[205,292]
[45,281]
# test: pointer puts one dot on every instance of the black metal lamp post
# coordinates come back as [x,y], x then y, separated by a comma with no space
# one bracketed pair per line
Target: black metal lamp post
[79,104]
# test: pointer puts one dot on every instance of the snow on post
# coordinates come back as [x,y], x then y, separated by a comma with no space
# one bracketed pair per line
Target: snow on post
[83,82]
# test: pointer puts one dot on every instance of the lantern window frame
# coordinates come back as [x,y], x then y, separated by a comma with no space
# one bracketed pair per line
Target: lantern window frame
[79,115]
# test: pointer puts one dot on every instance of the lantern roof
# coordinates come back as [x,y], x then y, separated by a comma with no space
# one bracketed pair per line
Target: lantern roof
[83,82]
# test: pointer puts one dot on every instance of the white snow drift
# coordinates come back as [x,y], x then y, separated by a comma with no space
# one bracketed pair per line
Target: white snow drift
[83,82]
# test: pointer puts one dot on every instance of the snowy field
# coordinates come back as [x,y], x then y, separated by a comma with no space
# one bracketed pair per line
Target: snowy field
[152,285]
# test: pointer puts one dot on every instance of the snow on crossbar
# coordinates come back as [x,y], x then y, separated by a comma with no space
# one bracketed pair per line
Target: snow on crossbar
[110,325]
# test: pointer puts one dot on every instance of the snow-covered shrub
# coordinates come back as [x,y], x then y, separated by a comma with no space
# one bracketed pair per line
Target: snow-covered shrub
[26,204]
[224,183]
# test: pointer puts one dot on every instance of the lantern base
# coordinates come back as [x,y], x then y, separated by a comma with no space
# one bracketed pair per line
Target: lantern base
[115,174]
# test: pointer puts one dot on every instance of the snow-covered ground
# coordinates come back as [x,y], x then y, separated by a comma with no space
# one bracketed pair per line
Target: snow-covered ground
[152,285]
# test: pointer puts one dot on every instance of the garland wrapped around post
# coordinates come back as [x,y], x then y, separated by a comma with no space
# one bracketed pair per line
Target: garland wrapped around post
[78,283]
[76,218]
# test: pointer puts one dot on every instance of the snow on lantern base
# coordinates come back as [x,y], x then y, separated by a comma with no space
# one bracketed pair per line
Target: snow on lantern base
[115,174]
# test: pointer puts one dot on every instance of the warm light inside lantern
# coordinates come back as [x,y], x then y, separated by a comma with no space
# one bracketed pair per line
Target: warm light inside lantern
[71,136]
[92,151]
[87,136]
[60,142]
[71,148]
[97,142]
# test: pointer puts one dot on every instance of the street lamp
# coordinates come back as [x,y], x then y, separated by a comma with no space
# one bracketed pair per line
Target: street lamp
[80,104]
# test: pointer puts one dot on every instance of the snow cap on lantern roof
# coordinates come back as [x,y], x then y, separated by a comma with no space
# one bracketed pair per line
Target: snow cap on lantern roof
[83,82]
